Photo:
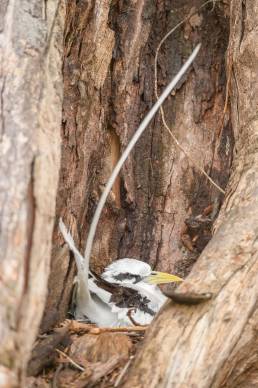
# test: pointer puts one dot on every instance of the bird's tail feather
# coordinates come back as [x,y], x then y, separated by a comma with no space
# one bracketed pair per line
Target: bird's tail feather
[85,304]
[69,240]
[83,293]
[79,259]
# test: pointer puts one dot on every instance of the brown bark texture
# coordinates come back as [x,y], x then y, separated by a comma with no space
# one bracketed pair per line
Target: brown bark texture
[214,344]
[109,51]
[108,68]
[30,115]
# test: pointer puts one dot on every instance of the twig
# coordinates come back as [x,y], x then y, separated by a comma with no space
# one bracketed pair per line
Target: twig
[123,372]
[161,109]
[104,370]
[136,335]
[70,360]
[99,330]
[129,314]
[79,327]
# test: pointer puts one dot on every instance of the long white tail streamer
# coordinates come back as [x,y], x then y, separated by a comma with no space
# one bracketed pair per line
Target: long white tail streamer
[127,151]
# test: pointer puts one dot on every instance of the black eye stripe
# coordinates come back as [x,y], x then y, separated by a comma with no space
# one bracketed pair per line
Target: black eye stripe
[127,276]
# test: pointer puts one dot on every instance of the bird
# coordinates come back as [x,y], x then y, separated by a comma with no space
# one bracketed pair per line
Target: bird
[126,294]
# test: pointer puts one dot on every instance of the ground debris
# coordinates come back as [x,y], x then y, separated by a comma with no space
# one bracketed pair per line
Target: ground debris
[100,348]
[43,354]
[95,357]
[80,327]
[36,382]
[93,373]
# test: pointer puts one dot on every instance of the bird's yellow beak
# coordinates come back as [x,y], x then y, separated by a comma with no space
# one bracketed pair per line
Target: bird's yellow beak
[162,278]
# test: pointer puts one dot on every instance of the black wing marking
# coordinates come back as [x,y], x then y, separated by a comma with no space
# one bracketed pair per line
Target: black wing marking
[125,297]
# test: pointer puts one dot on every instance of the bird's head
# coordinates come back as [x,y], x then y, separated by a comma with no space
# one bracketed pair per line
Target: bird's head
[134,271]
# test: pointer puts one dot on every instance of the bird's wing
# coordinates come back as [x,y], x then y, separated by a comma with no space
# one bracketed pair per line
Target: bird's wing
[130,305]
[103,294]
[152,293]
[102,302]
[91,301]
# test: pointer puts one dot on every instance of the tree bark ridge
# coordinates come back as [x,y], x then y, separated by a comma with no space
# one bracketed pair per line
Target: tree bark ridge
[30,114]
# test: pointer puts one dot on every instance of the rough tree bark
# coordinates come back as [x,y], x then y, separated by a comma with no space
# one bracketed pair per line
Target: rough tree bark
[109,50]
[30,114]
[214,344]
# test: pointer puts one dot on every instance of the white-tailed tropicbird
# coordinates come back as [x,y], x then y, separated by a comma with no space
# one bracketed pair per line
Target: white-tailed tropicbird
[125,294]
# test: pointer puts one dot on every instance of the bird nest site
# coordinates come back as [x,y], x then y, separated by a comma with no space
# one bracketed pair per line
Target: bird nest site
[112,310]
[82,355]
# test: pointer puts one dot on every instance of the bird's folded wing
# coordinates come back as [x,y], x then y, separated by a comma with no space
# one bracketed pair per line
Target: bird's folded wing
[128,303]
[102,294]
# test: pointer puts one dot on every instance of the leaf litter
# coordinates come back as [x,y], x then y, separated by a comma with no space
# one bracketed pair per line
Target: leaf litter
[78,355]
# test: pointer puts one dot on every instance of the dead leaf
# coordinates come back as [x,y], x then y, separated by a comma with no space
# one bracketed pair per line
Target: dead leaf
[43,354]
[98,371]
[66,378]
[92,348]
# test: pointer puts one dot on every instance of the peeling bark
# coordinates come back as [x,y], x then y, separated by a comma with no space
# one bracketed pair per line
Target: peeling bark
[30,115]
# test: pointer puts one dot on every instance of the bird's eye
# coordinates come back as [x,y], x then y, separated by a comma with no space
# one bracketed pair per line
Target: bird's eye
[138,278]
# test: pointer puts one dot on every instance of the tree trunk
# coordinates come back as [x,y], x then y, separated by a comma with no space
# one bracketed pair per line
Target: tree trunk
[30,114]
[214,344]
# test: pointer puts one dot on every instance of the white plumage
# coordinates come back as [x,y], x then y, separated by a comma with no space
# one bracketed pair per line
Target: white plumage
[126,265]
[132,299]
